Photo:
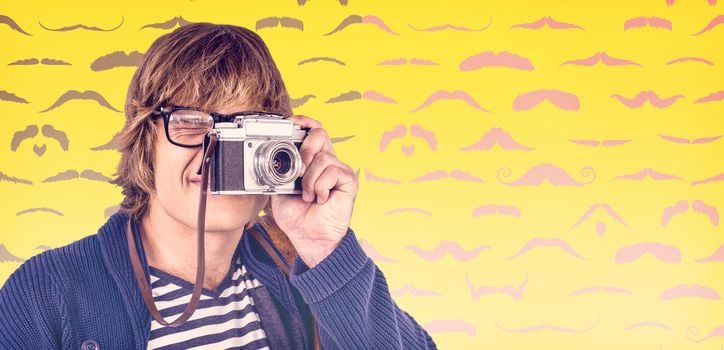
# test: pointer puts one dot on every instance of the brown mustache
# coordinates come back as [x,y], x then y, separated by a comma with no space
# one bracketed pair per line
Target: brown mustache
[168,24]
[9,96]
[32,130]
[316,59]
[16,180]
[77,95]
[116,59]
[296,102]
[347,96]
[14,26]
[82,26]
[112,144]
[30,210]
[72,174]
[286,22]
[46,61]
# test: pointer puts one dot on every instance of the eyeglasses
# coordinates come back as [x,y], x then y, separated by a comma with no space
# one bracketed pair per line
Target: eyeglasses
[187,126]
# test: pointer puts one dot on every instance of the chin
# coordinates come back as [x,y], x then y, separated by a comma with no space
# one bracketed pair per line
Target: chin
[227,212]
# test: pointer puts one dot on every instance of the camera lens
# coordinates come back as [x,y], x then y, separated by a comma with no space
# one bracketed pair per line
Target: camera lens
[277,163]
[281,162]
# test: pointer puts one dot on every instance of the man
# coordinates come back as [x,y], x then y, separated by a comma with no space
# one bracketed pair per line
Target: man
[85,294]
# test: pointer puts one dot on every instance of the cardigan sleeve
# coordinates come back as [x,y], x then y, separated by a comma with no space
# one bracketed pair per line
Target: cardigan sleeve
[349,297]
[31,308]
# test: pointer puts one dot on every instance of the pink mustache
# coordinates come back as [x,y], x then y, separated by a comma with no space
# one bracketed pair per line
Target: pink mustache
[546,171]
[686,59]
[594,289]
[491,209]
[496,136]
[563,100]
[716,96]
[450,95]
[551,23]
[601,57]
[412,290]
[642,324]
[644,96]
[671,2]
[369,19]
[653,22]
[547,326]
[697,205]
[650,173]
[408,210]
[717,332]
[450,326]
[604,143]
[601,227]
[441,174]
[372,252]
[695,291]
[415,130]
[690,141]
[450,26]
[717,256]
[372,177]
[661,251]
[716,178]
[490,59]
[452,247]
[714,22]
[516,293]
[412,61]
[543,242]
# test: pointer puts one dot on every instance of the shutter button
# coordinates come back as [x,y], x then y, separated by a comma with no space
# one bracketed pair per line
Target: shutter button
[90,345]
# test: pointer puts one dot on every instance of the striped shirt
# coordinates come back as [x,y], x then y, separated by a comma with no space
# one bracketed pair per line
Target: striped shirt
[225,317]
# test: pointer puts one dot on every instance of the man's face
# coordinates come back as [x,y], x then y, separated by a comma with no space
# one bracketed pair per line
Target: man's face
[178,185]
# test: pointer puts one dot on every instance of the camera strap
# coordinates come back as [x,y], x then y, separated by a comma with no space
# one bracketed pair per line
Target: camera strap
[200,259]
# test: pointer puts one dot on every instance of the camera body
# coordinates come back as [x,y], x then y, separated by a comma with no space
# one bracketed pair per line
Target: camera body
[257,154]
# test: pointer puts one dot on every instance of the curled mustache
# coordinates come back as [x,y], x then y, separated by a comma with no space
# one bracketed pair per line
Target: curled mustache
[31,210]
[7,256]
[693,331]
[491,59]
[600,57]
[10,97]
[563,100]
[663,252]
[284,22]
[412,290]
[653,22]
[546,171]
[543,242]
[450,95]
[452,247]
[496,136]
[547,326]
[491,209]
[550,22]
[354,19]
[515,292]
[644,96]
[695,291]
[601,227]
[81,26]
[45,61]
[373,253]
[11,23]
[13,179]
[72,174]
[650,173]
[112,144]
[714,22]
[178,20]
[116,59]
[450,26]
[77,95]
[697,205]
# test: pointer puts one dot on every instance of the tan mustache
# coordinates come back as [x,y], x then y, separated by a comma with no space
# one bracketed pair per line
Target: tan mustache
[296,102]
[77,95]
[9,96]
[116,59]
[7,256]
[72,174]
[286,22]
[81,26]
[14,26]
[32,130]
[12,179]
[325,59]
[168,24]
[112,144]
[46,61]
[30,210]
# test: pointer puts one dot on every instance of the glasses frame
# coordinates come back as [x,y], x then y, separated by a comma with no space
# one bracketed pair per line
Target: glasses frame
[166,112]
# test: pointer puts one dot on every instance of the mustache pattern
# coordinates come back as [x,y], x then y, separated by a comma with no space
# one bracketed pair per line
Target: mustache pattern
[356,95]
[496,136]
[687,59]
[178,20]
[369,19]
[441,174]
[412,61]
[72,174]
[416,131]
[110,211]
[45,61]
[341,138]
[544,243]
[653,22]
[600,227]
[546,171]
[116,59]
[594,289]
[642,324]
[600,57]
[695,291]
[491,59]
[12,179]
[452,247]
[717,178]
[717,256]
[450,95]
[450,326]
[414,291]
[548,327]
[372,177]
[515,292]
[297,102]
[714,22]
[303,2]
[546,21]
[77,95]
[321,59]
[373,253]
[31,131]
[716,96]
[644,96]
[406,210]
[697,205]
[10,97]
[112,144]
[81,26]
[491,209]
[7,256]
[452,27]
[690,141]
[663,252]
[284,22]
[650,173]
[11,23]
[604,143]
[32,210]
[693,331]
[671,2]
[563,100]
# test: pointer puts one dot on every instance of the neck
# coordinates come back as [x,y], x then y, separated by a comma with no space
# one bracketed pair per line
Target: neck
[170,245]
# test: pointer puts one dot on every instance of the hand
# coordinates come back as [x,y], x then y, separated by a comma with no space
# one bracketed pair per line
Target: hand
[317,220]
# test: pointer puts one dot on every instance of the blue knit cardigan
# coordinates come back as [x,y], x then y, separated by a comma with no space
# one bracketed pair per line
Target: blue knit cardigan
[85,293]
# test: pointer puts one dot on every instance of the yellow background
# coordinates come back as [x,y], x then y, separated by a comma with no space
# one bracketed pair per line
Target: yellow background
[547,210]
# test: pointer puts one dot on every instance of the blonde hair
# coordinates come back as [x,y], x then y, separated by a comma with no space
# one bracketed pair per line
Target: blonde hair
[203,65]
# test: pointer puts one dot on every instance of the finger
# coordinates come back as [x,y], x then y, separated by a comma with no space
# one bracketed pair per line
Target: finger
[320,162]
[316,141]
[333,178]
[305,122]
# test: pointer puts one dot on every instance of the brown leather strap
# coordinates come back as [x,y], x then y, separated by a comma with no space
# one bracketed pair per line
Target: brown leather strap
[200,259]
